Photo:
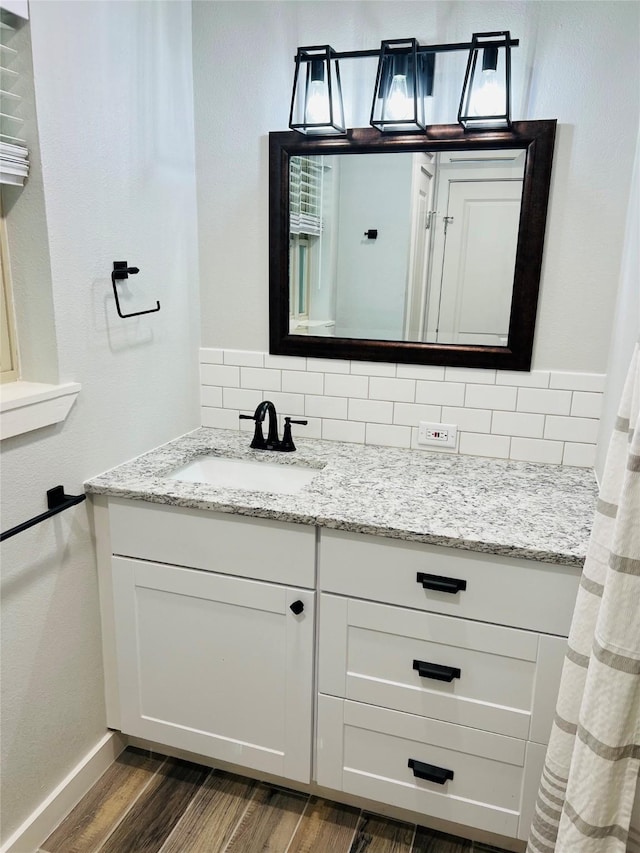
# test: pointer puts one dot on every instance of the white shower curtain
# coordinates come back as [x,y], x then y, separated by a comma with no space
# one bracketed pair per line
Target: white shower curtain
[591,770]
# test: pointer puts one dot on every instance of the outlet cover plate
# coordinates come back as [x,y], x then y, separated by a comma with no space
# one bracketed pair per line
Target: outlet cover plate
[438,435]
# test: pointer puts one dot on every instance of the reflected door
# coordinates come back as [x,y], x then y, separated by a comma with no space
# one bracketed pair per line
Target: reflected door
[480,234]
[422,191]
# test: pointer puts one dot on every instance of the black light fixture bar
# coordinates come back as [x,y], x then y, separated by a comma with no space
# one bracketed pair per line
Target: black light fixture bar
[431,48]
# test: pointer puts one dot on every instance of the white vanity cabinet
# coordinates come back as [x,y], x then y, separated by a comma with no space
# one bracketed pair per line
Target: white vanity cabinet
[437,676]
[433,674]
[213,625]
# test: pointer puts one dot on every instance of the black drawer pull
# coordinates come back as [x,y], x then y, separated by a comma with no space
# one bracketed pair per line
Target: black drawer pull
[297,607]
[441,584]
[430,772]
[436,670]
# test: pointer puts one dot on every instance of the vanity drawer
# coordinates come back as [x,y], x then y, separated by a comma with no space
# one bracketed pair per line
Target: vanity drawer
[486,676]
[216,542]
[501,590]
[366,751]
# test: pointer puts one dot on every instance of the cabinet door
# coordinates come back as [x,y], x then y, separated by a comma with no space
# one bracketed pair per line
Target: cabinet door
[215,664]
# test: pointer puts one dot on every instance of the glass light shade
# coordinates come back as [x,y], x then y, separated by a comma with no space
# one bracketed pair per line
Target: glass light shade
[404,80]
[316,102]
[485,103]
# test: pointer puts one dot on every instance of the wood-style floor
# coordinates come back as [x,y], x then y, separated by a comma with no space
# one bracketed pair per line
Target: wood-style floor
[146,803]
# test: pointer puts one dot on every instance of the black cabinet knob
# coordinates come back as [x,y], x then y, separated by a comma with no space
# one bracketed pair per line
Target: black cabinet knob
[297,607]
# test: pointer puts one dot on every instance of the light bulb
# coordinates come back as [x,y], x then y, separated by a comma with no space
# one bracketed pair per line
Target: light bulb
[317,109]
[489,98]
[398,106]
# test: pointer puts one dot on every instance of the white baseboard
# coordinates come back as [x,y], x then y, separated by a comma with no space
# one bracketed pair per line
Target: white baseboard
[41,822]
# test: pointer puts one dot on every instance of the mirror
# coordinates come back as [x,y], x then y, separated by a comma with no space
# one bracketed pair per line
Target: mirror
[419,248]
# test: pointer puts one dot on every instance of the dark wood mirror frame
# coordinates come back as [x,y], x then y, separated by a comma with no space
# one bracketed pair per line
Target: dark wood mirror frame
[536,137]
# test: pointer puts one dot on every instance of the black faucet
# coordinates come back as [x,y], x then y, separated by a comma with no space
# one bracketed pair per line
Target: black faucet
[272,442]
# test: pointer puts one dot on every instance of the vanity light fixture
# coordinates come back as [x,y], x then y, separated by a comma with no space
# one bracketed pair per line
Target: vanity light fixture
[316,103]
[486,93]
[403,83]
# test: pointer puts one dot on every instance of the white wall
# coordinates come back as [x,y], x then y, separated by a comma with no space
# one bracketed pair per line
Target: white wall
[375,192]
[113,89]
[578,62]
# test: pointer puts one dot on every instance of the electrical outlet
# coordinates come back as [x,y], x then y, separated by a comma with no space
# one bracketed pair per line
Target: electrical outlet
[442,435]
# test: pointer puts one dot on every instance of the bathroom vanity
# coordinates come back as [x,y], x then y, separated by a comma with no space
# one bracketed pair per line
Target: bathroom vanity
[394,630]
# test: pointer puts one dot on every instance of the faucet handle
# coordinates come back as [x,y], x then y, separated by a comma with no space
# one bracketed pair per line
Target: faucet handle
[287,445]
[257,442]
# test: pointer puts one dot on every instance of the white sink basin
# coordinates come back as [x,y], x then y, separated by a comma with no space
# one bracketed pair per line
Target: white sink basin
[245,474]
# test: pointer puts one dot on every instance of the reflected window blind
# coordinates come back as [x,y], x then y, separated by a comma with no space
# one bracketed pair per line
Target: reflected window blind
[305,195]
[14,156]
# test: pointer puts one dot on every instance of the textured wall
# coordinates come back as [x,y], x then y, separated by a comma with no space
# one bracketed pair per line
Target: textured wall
[113,90]
[578,62]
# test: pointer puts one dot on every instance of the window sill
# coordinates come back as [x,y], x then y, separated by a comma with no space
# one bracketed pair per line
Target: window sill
[26,406]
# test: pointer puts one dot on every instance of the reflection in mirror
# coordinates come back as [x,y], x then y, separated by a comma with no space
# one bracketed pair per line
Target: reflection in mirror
[422,248]
[410,246]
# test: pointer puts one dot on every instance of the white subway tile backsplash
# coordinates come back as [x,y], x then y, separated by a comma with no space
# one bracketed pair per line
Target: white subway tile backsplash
[329,365]
[440,393]
[326,407]
[582,430]
[287,404]
[337,385]
[409,414]
[517,423]
[400,390]
[579,455]
[426,372]
[578,381]
[522,379]
[469,420]
[544,401]
[243,358]
[378,411]
[542,416]
[363,368]
[490,397]
[302,382]
[389,436]
[211,356]
[211,395]
[537,450]
[476,444]
[312,429]
[586,404]
[467,374]
[220,418]
[343,431]
[287,362]
[260,378]
[215,374]
[241,398]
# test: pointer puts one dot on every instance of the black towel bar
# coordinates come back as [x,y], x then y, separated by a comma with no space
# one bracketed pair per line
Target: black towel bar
[57,502]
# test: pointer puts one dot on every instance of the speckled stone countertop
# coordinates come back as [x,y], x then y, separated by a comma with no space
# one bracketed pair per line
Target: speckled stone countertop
[517,509]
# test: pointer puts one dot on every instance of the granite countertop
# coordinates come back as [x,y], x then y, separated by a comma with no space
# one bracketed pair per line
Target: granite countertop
[518,509]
